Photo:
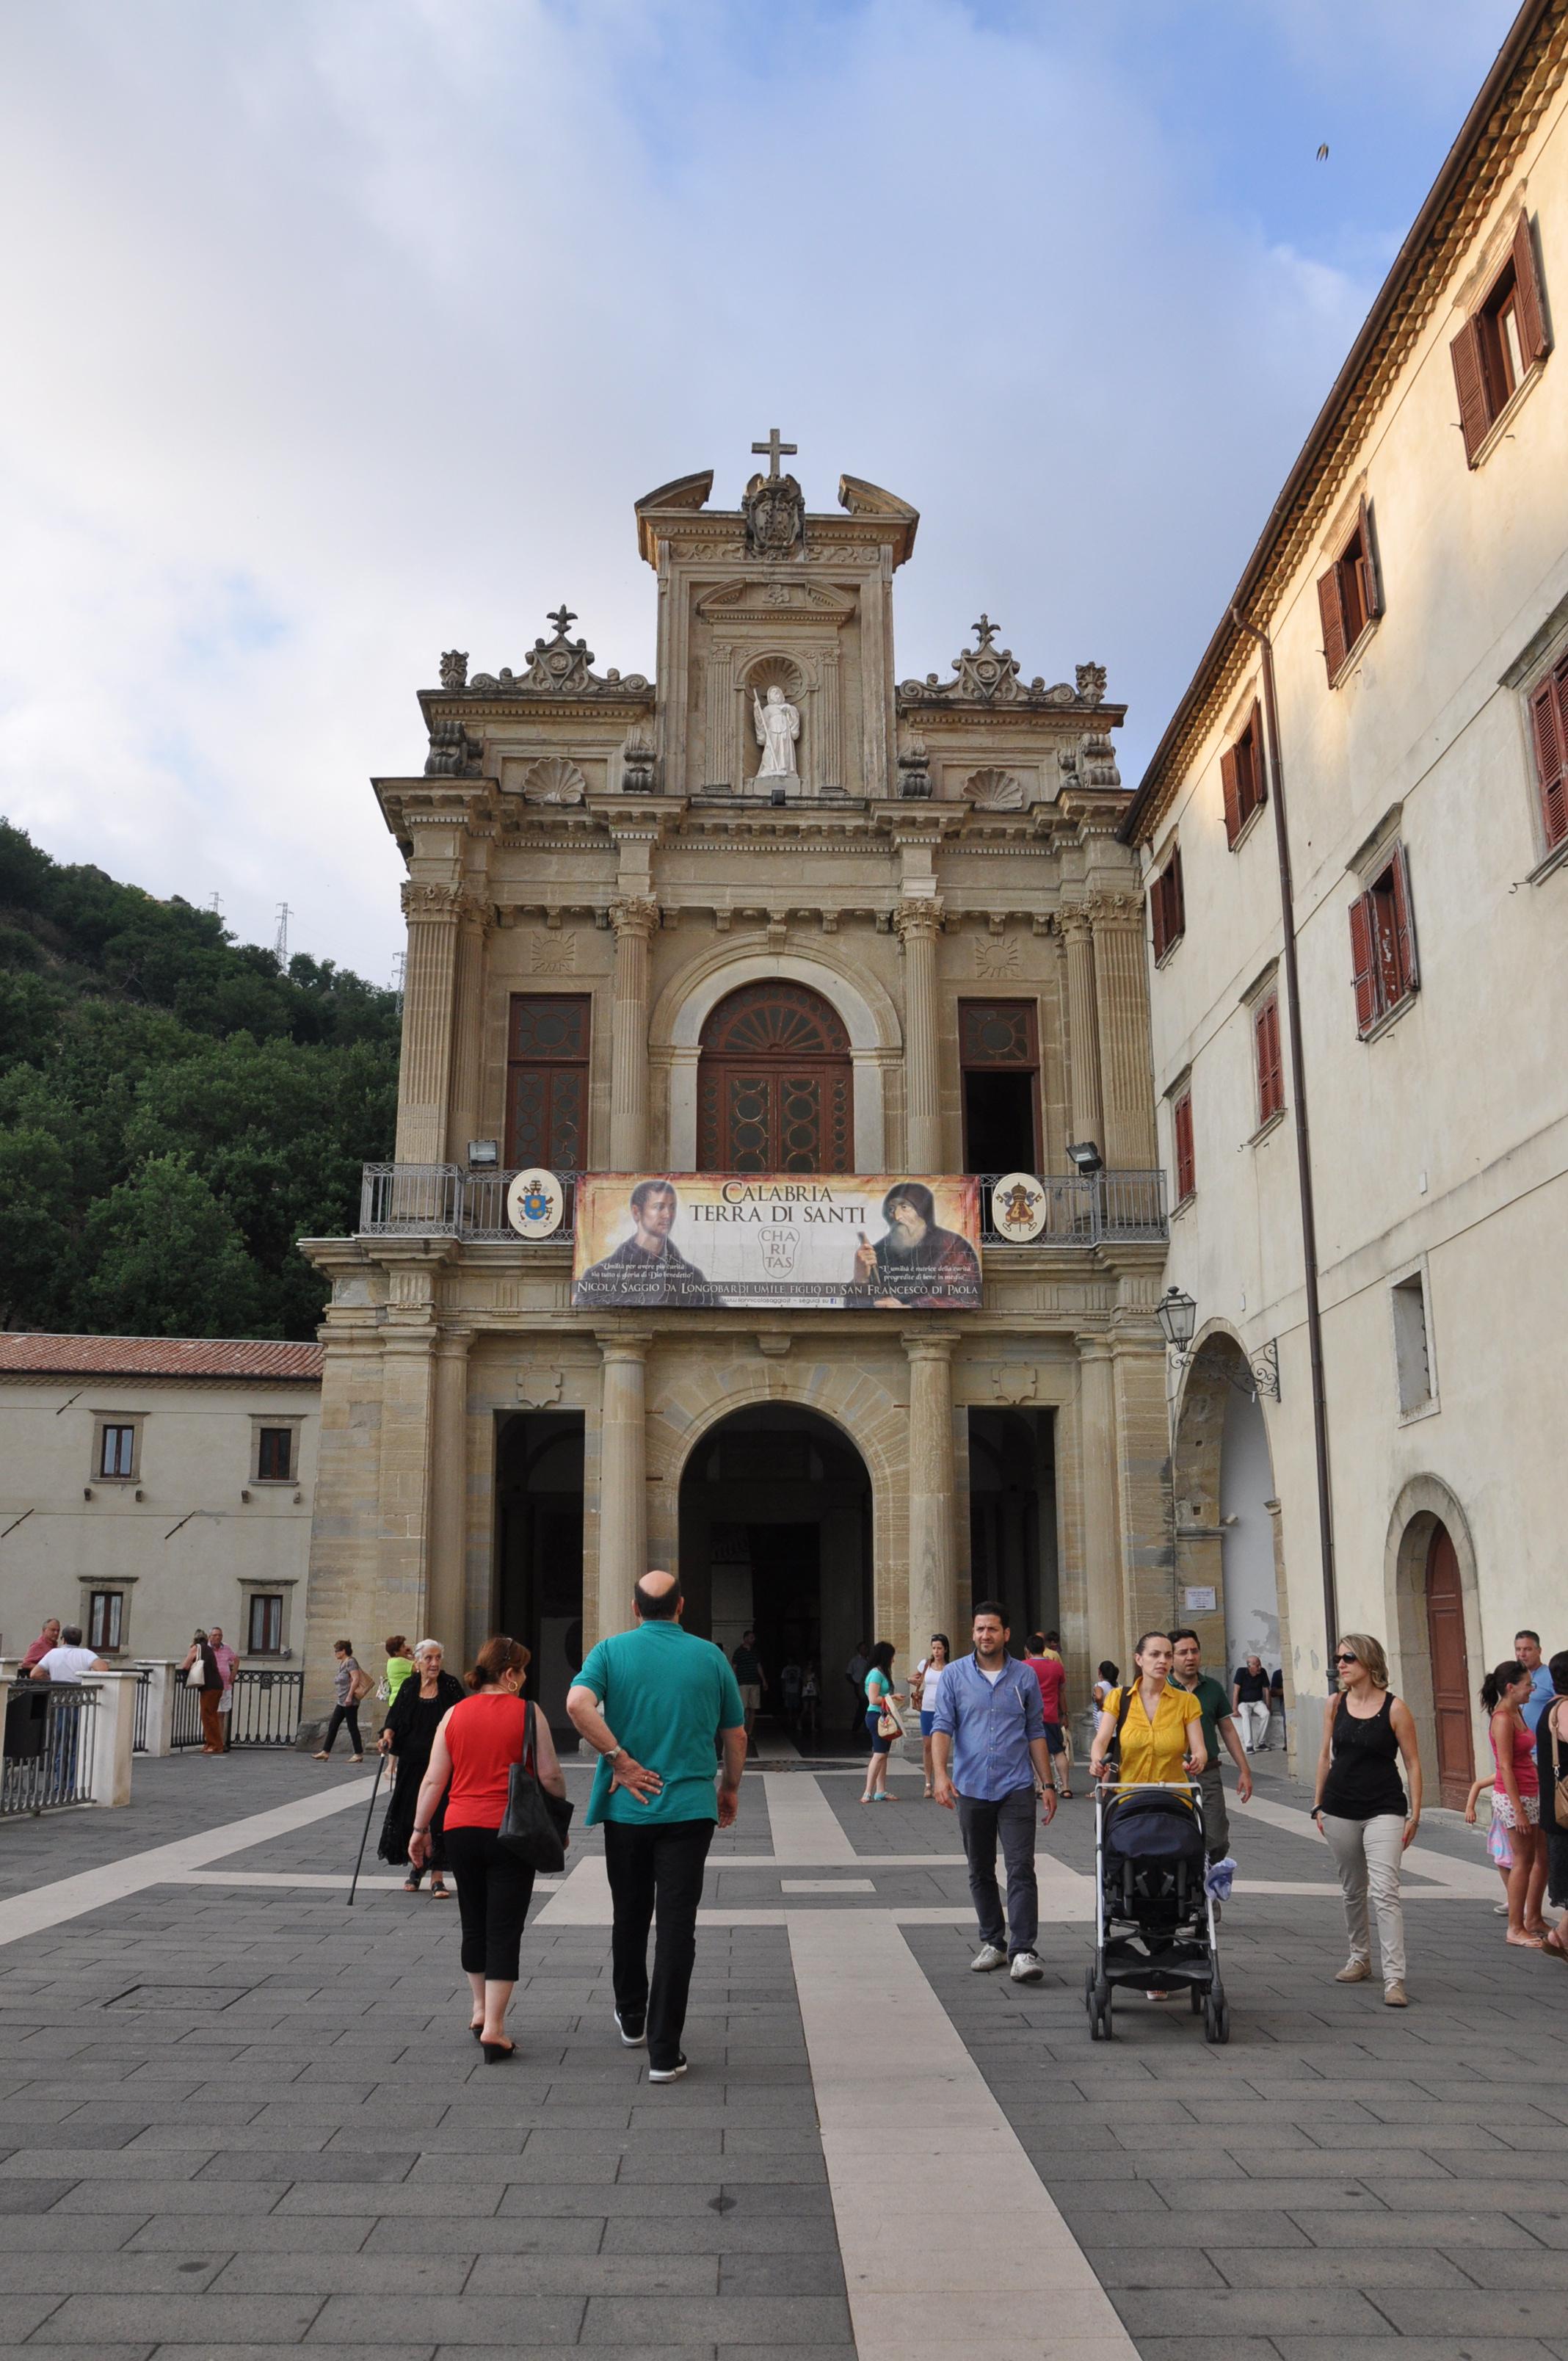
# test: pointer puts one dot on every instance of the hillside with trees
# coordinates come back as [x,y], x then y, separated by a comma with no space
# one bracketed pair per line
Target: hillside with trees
[176,1109]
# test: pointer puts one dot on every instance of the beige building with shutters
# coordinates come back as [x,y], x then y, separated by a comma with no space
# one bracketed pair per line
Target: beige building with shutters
[1411,585]
[780,913]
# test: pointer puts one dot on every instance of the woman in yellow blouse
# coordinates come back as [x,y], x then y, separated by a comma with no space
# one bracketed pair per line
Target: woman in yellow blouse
[1162,1735]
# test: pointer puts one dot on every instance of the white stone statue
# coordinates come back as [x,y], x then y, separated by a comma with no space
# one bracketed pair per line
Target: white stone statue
[777,724]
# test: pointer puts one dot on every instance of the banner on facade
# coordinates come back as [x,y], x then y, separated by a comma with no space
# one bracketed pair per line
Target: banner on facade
[776,1241]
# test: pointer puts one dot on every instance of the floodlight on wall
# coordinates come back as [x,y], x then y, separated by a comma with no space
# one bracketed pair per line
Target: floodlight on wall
[1086,1157]
[484,1151]
[1177,1317]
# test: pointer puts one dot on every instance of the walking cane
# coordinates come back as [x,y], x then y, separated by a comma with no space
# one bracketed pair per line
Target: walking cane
[380,1767]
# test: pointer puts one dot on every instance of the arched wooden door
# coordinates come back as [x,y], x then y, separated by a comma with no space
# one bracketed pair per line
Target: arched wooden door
[1450,1669]
[775,1087]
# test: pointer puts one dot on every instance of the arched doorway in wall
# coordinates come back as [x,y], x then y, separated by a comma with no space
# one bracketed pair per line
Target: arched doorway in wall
[538,1551]
[775,1085]
[775,1533]
[1012,1518]
[1227,1579]
[1450,1660]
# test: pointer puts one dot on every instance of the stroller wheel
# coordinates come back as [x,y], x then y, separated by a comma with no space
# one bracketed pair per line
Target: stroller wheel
[1216,2019]
[1100,2012]
[1089,1987]
[1197,1999]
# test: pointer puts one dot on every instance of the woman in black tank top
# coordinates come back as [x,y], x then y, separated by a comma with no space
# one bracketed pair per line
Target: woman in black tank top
[1361,1809]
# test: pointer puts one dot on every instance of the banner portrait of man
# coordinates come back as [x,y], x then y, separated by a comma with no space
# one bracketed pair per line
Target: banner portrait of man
[648,1268]
[915,1265]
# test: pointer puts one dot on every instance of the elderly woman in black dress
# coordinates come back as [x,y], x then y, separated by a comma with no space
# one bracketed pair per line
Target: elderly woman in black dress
[408,1735]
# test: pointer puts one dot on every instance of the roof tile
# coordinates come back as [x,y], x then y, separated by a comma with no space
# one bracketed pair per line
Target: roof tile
[160,1356]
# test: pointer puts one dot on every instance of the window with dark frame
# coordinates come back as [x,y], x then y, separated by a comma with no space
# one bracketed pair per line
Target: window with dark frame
[1243,779]
[1168,906]
[1382,943]
[1185,1164]
[1549,727]
[776,1083]
[547,1080]
[106,1617]
[999,1061]
[116,1451]
[1270,1068]
[1500,343]
[275,1454]
[1350,596]
[266,1620]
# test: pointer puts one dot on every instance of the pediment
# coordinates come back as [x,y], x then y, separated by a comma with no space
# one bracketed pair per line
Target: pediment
[776,598]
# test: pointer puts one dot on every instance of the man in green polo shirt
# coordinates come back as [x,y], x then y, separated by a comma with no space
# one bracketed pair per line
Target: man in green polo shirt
[1219,1728]
[651,1702]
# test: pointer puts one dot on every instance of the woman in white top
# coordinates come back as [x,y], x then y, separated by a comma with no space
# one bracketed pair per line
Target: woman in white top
[927,1687]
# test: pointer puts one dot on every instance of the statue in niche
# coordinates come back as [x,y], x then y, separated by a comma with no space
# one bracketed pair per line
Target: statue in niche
[777,724]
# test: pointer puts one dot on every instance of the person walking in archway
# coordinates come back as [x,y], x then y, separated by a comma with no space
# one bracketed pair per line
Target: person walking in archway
[990,1756]
[1043,1656]
[923,1691]
[651,1702]
[880,1698]
[1249,1701]
[1361,1805]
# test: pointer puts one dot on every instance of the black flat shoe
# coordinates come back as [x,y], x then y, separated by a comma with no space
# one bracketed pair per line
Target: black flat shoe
[495,2051]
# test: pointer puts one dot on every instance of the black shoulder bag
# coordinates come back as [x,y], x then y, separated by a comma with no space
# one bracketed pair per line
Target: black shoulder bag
[533,1827]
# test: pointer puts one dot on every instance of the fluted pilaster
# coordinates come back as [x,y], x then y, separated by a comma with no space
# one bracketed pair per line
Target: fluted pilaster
[932,1594]
[429,989]
[623,1486]
[920,923]
[635,921]
[1086,1120]
[1121,1004]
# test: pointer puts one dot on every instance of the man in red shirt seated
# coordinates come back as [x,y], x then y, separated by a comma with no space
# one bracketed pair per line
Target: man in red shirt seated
[1044,1660]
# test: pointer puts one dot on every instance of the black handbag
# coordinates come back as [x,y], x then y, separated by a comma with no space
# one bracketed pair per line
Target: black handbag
[534,1824]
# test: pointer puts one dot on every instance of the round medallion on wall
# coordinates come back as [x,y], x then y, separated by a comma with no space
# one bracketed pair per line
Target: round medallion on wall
[535,1202]
[1018,1207]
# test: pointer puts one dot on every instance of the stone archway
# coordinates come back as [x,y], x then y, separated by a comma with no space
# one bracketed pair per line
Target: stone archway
[1427,1521]
[1227,1515]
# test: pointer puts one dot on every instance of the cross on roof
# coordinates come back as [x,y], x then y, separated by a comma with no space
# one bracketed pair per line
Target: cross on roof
[773,450]
[985,630]
[561,617]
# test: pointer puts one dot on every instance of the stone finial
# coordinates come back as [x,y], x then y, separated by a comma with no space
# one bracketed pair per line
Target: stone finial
[455,668]
[1090,679]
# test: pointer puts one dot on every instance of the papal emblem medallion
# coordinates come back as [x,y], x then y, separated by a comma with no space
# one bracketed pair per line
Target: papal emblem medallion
[535,1201]
[1018,1207]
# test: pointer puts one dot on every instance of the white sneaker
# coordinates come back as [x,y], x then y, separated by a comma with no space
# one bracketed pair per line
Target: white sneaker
[667,2073]
[633,2040]
[1026,1969]
[988,1956]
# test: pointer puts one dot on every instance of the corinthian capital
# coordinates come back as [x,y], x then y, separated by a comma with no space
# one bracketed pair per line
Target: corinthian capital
[438,902]
[1072,922]
[921,918]
[1116,909]
[635,914]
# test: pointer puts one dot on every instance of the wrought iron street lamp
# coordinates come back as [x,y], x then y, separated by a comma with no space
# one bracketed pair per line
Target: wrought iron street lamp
[1177,1317]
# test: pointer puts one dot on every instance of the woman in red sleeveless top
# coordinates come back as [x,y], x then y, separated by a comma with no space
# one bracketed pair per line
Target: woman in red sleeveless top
[474,1749]
[1517,1843]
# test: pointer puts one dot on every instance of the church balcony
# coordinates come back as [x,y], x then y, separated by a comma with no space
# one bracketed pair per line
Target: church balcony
[452,1202]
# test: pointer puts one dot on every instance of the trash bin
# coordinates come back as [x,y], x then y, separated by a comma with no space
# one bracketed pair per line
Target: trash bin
[27,1718]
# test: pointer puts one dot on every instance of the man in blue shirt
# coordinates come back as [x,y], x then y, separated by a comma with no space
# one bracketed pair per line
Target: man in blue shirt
[651,1702]
[1527,1649]
[988,1757]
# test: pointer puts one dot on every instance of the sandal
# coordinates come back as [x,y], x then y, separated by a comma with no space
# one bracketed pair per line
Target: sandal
[440,1893]
[1525,1942]
[410,1885]
[929,1789]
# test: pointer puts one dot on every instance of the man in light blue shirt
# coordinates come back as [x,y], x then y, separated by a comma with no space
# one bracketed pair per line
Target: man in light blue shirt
[651,1702]
[1527,1649]
[989,1756]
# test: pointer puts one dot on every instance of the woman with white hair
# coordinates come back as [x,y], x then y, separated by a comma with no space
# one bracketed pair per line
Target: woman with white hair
[408,1735]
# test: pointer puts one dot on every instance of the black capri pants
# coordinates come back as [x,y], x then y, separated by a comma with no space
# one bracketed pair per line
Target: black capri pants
[494,1890]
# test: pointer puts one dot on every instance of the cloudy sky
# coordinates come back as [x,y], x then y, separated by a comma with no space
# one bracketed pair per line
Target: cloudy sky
[338,332]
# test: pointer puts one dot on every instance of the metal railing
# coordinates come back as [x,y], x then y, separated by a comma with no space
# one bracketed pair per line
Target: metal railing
[185,1723]
[448,1201]
[48,1758]
[141,1709]
[266,1708]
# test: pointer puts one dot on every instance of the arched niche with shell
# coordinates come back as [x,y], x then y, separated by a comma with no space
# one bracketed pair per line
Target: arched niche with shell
[553,780]
[993,789]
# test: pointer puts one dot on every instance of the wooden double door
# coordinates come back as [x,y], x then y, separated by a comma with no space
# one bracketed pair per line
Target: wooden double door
[1450,1669]
[775,1084]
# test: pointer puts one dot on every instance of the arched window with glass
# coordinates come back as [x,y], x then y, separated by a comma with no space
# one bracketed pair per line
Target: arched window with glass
[775,1084]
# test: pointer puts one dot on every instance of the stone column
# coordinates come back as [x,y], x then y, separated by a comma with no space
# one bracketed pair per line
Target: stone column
[1122,1003]
[933,1592]
[112,1736]
[634,921]
[445,1604]
[1108,1633]
[474,924]
[429,988]
[920,923]
[1085,1119]
[623,1483]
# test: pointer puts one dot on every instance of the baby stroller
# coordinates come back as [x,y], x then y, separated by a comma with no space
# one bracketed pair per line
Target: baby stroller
[1153,1917]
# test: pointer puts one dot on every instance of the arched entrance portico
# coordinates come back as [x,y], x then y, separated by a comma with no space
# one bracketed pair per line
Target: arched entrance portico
[1226,1515]
[775,1533]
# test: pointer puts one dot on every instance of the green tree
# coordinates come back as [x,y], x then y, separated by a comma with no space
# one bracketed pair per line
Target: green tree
[162,1256]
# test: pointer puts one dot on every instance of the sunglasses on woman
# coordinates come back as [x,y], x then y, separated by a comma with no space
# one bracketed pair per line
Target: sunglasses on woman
[1344,1659]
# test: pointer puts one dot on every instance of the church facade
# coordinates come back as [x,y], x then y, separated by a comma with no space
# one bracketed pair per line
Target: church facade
[779,938]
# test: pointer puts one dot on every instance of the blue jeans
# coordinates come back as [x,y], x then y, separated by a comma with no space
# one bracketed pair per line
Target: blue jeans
[1011,1818]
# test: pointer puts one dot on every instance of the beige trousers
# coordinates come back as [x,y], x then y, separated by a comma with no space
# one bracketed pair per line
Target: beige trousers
[1368,1853]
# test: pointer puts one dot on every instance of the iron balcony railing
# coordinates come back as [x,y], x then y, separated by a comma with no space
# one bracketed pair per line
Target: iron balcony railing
[48,1758]
[448,1201]
[265,1710]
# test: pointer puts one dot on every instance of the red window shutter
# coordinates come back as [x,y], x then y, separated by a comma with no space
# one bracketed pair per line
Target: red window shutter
[1371,579]
[1186,1168]
[1178,897]
[1156,913]
[1528,310]
[1549,713]
[1270,1080]
[1331,610]
[1475,414]
[1230,790]
[1404,921]
[1259,766]
[1364,963]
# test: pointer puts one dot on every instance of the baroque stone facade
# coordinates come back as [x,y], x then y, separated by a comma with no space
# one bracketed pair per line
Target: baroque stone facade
[596,867]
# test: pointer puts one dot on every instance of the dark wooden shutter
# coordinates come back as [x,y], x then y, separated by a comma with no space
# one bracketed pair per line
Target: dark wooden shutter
[1331,609]
[1404,921]
[1528,310]
[1475,414]
[1186,1167]
[1156,912]
[1371,576]
[1229,790]
[1548,715]
[1270,1078]
[1177,915]
[1363,963]
[1259,765]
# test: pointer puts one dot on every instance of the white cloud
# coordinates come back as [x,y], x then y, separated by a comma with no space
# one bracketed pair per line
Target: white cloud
[342,333]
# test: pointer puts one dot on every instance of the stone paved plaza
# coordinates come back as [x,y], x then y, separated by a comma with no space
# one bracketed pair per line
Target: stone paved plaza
[235,2116]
